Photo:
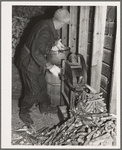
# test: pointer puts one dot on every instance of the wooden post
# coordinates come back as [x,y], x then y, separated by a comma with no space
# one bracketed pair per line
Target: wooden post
[72,28]
[113,93]
[98,42]
[83,30]
[65,31]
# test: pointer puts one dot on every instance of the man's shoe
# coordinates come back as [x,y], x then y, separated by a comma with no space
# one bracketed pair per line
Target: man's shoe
[26,118]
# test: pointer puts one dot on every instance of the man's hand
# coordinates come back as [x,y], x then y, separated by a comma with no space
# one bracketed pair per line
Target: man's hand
[55,70]
[59,45]
[55,48]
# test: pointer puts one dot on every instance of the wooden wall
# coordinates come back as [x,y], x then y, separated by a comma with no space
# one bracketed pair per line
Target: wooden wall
[92,32]
[75,35]
[108,53]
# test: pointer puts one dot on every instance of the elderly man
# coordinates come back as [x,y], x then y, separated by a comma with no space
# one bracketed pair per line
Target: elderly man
[32,63]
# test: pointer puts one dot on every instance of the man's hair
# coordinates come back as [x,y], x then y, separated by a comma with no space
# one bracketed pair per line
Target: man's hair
[62,15]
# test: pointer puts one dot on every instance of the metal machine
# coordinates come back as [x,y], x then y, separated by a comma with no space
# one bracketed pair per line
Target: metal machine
[75,91]
[73,79]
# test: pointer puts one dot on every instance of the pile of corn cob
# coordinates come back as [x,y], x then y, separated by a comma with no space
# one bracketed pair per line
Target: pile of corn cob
[93,126]
[18,26]
[89,124]
[80,130]
[90,103]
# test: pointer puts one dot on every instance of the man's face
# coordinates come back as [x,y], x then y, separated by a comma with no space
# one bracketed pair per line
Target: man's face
[59,25]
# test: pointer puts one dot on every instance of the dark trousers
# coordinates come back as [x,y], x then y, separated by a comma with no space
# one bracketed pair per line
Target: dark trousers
[35,91]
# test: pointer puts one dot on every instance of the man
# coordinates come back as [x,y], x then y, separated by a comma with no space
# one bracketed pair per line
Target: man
[32,63]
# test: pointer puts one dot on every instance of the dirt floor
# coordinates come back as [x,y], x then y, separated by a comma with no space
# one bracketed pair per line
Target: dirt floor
[40,120]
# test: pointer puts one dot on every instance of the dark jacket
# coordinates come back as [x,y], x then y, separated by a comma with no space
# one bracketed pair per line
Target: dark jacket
[32,56]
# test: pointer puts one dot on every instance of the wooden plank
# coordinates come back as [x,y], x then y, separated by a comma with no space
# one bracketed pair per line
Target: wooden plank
[98,42]
[83,30]
[91,19]
[90,37]
[110,28]
[111,13]
[109,42]
[91,23]
[110,31]
[113,92]
[107,56]
[106,70]
[73,28]
[64,31]
[105,95]
[88,68]
[104,82]
[89,49]
[91,15]
[88,72]
[88,60]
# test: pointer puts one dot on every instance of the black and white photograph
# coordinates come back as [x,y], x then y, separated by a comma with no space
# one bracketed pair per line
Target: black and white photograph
[60,65]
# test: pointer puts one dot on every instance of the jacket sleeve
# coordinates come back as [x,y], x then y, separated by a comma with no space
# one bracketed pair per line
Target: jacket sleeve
[38,50]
